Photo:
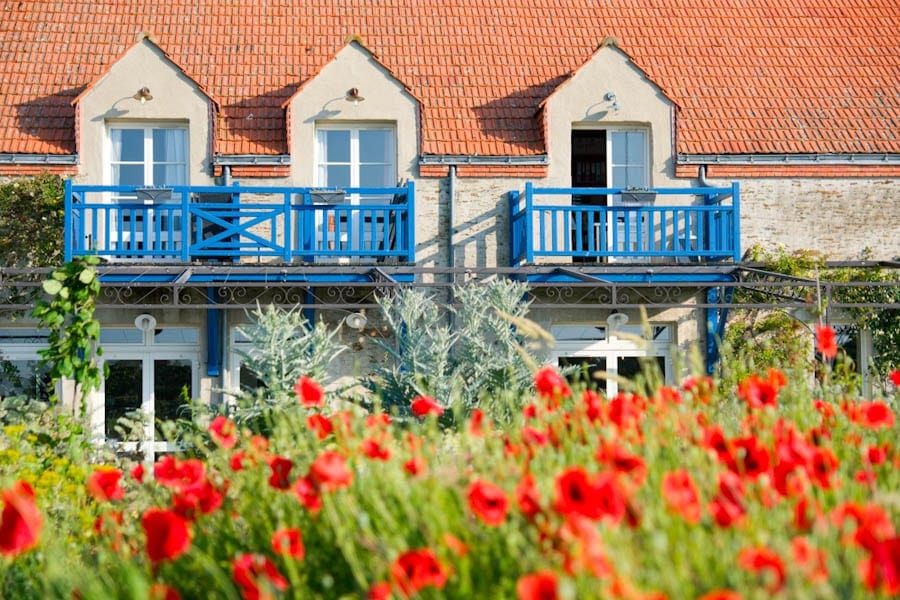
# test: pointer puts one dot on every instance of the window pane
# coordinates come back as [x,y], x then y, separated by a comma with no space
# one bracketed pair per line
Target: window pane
[24,378]
[169,145]
[172,380]
[619,145]
[177,335]
[337,146]
[579,332]
[128,145]
[584,371]
[635,147]
[375,176]
[375,146]
[121,336]
[337,176]
[620,177]
[123,389]
[169,175]
[128,175]
[635,176]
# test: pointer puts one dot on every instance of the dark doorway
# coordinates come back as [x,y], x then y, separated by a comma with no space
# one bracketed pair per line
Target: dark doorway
[588,170]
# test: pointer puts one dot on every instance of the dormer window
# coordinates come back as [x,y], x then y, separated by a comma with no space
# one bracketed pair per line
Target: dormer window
[148,156]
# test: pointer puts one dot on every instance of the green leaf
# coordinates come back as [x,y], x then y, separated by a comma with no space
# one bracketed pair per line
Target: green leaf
[52,286]
[87,276]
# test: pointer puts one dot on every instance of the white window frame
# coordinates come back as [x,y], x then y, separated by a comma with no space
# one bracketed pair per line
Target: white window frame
[147,351]
[614,347]
[355,164]
[141,237]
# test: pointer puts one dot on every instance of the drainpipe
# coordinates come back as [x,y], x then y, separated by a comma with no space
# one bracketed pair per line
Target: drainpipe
[226,175]
[451,195]
[702,177]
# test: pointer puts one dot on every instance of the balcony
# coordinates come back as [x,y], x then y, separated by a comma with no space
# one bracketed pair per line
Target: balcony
[699,225]
[235,224]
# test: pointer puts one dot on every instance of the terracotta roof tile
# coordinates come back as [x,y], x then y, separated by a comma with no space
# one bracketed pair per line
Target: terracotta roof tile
[748,77]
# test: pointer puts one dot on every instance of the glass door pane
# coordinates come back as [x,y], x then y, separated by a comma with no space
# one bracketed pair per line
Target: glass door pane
[172,388]
[124,395]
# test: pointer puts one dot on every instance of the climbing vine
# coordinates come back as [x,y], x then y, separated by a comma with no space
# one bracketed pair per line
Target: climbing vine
[72,350]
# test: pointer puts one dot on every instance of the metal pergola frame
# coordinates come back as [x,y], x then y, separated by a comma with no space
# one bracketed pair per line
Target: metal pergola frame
[350,287]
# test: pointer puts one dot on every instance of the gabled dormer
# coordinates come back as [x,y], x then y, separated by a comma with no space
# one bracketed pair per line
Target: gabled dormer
[145,122]
[353,124]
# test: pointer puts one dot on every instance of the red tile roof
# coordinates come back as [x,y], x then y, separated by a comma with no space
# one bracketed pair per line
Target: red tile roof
[754,76]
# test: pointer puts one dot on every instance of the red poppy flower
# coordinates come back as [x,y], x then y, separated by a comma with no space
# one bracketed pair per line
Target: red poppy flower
[527,496]
[320,425]
[541,585]
[179,474]
[757,560]
[168,536]
[550,385]
[329,471]
[256,576]
[826,341]
[727,507]
[751,457]
[423,406]
[288,542]
[21,521]
[196,500]
[873,415]
[626,410]
[593,406]
[137,472]
[416,569]
[103,484]
[586,550]
[758,392]
[579,494]
[680,492]
[309,393]
[895,377]
[532,436]
[881,570]
[621,460]
[488,502]
[378,420]
[280,478]
[415,466]
[475,426]
[375,450]
[224,432]
[379,591]
[306,492]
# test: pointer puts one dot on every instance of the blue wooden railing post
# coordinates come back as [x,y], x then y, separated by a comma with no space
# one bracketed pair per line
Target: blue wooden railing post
[185,225]
[410,222]
[68,223]
[529,225]
[288,230]
[736,218]
[515,244]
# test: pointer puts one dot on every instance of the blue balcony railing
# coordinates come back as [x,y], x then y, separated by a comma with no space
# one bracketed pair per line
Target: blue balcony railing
[231,223]
[703,226]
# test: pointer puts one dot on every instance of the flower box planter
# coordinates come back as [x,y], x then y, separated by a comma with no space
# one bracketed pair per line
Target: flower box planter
[638,197]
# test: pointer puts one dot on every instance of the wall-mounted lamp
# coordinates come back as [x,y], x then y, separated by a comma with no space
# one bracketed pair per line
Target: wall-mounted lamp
[143,95]
[356,320]
[611,97]
[353,96]
[616,320]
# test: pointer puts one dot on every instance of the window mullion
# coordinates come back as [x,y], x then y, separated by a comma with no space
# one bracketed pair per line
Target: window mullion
[148,156]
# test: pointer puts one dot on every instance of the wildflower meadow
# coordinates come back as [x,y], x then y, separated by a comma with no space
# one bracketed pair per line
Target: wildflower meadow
[777,487]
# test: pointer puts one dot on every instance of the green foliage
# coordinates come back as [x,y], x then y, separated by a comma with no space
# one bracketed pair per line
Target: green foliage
[31,225]
[74,332]
[31,222]
[480,360]
[777,339]
[284,346]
